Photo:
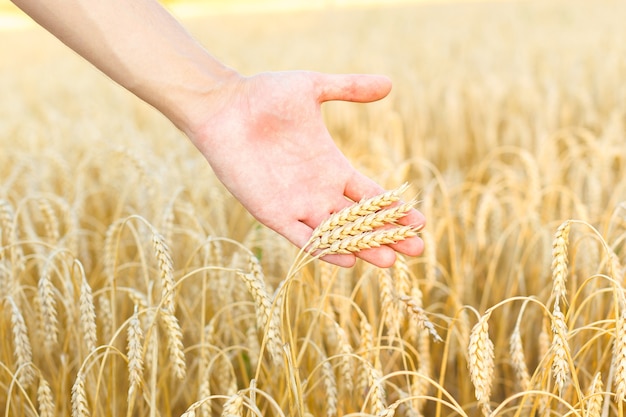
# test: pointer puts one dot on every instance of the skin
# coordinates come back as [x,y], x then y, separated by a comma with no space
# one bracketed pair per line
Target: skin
[263,135]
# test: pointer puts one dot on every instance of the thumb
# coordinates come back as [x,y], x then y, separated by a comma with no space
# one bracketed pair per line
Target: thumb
[361,88]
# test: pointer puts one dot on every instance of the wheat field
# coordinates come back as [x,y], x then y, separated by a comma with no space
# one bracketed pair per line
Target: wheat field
[133,284]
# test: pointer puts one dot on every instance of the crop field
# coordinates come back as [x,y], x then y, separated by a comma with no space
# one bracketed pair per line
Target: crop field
[133,284]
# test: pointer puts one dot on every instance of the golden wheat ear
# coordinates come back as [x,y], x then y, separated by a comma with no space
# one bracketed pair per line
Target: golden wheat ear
[369,223]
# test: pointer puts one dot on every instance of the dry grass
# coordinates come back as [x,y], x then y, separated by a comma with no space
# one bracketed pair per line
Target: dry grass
[133,284]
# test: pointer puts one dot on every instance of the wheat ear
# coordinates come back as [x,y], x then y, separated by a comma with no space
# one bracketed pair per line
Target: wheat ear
[369,240]
[417,312]
[594,397]
[174,343]
[559,261]
[378,397]
[21,345]
[362,224]
[559,349]
[88,316]
[361,209]
[166,270]
[79,397]
[518,359]
[481,362]
[345,363]
[618,362]
[45,399]
[233,407]
[47,307]
[330,388]
[268,321]
[135,355]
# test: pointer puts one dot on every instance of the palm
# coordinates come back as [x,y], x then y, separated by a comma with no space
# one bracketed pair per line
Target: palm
[269,146]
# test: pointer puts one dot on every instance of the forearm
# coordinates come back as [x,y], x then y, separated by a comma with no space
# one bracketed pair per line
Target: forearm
[139,45]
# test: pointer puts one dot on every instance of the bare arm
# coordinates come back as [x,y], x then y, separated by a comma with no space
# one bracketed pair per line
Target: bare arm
[264,135]
[140,46]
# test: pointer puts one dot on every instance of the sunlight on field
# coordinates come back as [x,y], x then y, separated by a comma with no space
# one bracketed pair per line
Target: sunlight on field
[132,283]
[12,18]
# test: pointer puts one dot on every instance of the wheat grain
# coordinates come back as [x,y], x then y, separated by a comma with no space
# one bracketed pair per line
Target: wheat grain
[481,362]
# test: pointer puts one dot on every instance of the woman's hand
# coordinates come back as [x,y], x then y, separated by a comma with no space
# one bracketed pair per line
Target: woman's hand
[265,138]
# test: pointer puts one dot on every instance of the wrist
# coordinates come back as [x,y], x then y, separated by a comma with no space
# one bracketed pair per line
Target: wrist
[202,94]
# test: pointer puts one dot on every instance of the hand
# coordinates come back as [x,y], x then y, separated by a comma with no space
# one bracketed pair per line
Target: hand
[266,141]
